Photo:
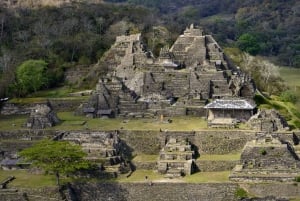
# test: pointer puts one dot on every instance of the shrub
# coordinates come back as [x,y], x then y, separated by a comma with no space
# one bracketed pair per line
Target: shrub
[263,152]
[240,193]
[259,100]
[297,179]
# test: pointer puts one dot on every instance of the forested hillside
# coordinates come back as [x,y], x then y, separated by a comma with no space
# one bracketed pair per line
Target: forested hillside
[66,35]
[63,37]
[270,27]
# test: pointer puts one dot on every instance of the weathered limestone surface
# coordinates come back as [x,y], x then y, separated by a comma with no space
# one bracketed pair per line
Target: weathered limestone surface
[147,142]
[30,194]
[288,190]
[267,159]
[215,166]
[157,192]
[104,148]
[176,158]
[268,121]
[57,104]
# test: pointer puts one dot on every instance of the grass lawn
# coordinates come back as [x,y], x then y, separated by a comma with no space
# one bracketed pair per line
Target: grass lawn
[207,177]
[225,157]
[291,76]
[145,158]
[26,179]
[199,177]
[12,122]
[289,110]
[71,122]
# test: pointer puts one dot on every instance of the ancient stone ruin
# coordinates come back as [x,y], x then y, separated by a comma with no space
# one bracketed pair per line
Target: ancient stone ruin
[179,82]
[268,121]
[176,158]
[267,159]
[103,148]
[42,116]
[228,112]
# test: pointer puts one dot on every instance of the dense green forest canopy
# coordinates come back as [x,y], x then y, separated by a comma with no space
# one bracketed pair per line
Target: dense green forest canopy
[79,33]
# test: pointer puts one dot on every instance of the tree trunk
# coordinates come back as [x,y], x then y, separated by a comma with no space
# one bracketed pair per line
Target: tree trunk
[57,178]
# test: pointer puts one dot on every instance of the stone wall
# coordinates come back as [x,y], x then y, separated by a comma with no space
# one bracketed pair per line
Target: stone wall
[57,105]
[222,141]
[147,142]
[215,166]
[155,192]
[203,165]
[26,134]
[13,141]
[288,190]
[30,194]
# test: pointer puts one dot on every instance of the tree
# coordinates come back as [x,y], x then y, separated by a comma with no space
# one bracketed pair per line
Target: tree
[58,157]
[248,43]
[31,76]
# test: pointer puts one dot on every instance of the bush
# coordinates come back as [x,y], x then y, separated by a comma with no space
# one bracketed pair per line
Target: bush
[297,179]
[263,152]
[259,100]
[241,193]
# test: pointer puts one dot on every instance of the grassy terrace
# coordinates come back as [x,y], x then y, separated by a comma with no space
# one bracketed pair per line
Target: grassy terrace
[225,157]
[71,122]
[41,180]
[145,158]
[179,123]
[12,122]
[23,177]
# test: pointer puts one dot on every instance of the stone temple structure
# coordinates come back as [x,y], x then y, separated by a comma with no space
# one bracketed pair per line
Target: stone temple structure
[42,116]
[176,158]
[267,159]
[179,82]
[268,121]
[102,148]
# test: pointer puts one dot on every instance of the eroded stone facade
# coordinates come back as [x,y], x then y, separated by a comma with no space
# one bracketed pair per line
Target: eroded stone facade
[179,82]
[42,116]
[176,158]
[267,159]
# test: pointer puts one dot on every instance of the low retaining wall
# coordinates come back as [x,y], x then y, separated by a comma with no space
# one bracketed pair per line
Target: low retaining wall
[154,192]
[215,166]
[289,190]
[57,104]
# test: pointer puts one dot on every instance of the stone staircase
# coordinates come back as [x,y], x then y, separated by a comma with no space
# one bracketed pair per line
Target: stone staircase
[176,158]
[127,107]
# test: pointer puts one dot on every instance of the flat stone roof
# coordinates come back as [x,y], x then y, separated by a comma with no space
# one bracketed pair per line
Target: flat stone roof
[238,104]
